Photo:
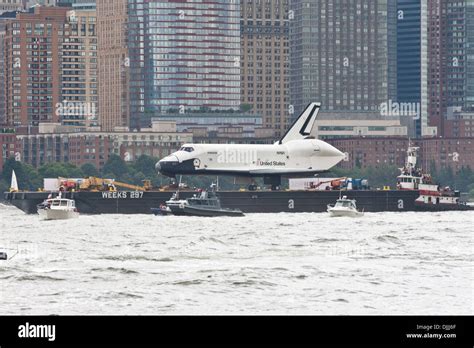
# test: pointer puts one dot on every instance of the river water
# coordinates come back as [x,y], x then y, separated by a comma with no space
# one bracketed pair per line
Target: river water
[383,263]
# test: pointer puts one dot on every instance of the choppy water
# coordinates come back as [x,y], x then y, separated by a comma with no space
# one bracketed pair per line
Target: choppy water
[385,263]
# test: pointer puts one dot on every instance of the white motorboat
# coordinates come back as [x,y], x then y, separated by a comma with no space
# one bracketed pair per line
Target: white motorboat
[344,207]
[58,209]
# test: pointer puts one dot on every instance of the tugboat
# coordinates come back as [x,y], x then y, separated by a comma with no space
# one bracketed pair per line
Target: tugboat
[206,204]
[432,197]
[57,209]
[344,207]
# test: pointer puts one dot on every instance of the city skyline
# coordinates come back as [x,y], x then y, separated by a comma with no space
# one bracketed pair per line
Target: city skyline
[380,68]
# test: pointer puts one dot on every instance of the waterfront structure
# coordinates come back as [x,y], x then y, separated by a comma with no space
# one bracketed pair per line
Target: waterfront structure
[79,103]
[33,46]
[183,56]
[265,61]
[343,54]
[113,64]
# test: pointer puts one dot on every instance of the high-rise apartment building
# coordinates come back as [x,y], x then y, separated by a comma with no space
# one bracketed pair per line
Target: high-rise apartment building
[436,71]
[451,62]
[459,53]
[113,64]
[4,17]
[413,64]
[184,56]
[343,54]
[79,70]
[32,51]
[265,61]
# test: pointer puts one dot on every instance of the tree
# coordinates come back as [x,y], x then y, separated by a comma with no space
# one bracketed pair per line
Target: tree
[3,187]
[57,169]
[116,166]
[89,170]
[445,176]
[146,165]
[27,176]
[464,177]
[246,108]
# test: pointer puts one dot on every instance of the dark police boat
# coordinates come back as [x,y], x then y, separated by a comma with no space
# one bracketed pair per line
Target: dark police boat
[207,203]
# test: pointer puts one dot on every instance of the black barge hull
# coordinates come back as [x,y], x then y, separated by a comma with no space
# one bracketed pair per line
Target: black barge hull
[131,202]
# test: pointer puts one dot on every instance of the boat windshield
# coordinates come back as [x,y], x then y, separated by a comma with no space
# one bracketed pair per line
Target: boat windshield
[345,204]
[187,149]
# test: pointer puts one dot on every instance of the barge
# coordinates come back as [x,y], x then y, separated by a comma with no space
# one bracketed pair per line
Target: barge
[415,192]
[141,202]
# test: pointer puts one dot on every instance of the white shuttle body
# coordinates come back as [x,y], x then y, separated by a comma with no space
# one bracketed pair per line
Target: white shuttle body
[296,154]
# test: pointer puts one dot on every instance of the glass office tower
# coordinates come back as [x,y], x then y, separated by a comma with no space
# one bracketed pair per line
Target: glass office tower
[184,56]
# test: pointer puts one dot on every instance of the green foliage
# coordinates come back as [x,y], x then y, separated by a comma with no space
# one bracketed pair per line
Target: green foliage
[377,177]
[146,165]
[246,107]
[3,187]
[463,180]
[144,169]
[116,166]
[57,169]
[88,169]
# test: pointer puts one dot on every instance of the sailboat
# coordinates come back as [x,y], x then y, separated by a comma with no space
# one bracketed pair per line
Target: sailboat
[14,183]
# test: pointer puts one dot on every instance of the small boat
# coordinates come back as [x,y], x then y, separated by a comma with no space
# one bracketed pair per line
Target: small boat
[162,210]
[344,207]
[206,204]
[58,209]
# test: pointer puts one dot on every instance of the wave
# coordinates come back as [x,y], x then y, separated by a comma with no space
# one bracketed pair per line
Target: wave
[135,258]
[114,269]
[388,238]
[250,282]
[188,282]
[325,240]
[38,277]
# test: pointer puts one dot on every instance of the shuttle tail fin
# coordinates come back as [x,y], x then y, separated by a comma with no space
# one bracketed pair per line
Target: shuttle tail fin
[303,125]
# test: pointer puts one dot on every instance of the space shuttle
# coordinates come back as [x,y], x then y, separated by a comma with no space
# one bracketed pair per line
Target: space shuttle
[296,154]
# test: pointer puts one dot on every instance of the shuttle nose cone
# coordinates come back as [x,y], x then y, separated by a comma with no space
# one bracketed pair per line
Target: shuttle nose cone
[331,151]
[167,166]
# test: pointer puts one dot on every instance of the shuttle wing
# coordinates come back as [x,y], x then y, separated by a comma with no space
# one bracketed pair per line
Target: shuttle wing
[303,125]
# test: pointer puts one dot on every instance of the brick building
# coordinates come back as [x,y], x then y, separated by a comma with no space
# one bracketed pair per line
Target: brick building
[55,143]
[32,52]
[376,152]
[265,61]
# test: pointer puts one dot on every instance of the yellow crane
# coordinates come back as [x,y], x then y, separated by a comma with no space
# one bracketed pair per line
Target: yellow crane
[99,184]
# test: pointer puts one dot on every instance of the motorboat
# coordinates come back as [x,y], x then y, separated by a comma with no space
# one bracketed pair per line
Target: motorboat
[58,209]
[344,207]
[162,210]
[207,203]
